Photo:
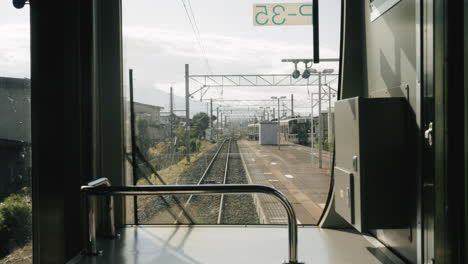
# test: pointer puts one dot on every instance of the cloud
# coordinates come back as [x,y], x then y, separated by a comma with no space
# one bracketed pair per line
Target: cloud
[15,50]
[158,56]
[221,50]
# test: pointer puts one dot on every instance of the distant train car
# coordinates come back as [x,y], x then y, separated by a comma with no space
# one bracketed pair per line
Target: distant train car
[296,130]
[252,131]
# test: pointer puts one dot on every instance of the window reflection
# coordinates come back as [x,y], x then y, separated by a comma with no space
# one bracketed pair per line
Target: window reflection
[15,136]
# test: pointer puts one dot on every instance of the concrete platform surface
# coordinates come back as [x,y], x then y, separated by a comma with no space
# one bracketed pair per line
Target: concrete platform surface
[234,245]
[291,171]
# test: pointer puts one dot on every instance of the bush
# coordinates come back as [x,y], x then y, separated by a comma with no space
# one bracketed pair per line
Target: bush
[195,145]
[325,146]
[15,222]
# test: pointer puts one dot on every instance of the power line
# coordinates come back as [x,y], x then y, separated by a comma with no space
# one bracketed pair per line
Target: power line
[193,16]
[196,31]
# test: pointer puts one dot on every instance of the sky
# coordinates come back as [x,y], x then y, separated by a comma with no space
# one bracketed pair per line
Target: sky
[158,40]
[14,41]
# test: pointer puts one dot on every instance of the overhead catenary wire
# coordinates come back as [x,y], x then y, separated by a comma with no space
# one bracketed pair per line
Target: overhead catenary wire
[191,17]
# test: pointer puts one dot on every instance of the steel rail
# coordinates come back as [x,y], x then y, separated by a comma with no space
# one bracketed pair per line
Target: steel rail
[220,213]
[204,189]
[208,168]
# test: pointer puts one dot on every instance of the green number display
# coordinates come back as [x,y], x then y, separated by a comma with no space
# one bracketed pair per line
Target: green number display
[260,13]
[277,14]
[282,14]
[302,13]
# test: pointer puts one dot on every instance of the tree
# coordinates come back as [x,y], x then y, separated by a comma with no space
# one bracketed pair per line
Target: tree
[200,123]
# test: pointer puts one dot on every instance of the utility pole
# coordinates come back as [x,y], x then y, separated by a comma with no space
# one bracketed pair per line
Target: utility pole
[331,125]
[134,146]
[320,125]
[329,118]
[211,113]
[187,114]
[292,105]
[279,118]
[221,120]
[273,117]
[312,139]
[279,139]
[171,116]
[217,123]
[171,125]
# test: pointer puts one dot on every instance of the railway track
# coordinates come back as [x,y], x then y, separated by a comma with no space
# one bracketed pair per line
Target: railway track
[221,165]
[225,167]
[226,172]
[202,208]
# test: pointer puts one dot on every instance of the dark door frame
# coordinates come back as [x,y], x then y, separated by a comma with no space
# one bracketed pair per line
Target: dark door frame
[76,117]
[449,132]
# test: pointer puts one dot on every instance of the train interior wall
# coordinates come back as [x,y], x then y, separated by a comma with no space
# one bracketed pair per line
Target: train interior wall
[391,72]
[386,49]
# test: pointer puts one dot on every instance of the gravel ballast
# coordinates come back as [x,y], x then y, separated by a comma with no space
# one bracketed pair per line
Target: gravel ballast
[204,209]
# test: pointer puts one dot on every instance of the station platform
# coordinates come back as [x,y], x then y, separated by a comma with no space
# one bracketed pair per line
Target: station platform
[292,171]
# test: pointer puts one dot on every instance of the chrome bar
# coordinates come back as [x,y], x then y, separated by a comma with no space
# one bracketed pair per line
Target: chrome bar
[90,205]
[203,190]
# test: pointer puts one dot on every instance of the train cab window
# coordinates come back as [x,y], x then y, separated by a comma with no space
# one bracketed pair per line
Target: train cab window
[213,102]
[142,131]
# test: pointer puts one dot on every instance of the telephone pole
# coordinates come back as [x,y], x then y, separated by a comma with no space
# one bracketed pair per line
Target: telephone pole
[292,105]
[217,123]
[211,113]
[187,114]
[279,118]
[134,146]
[171,115]
[221,120]
[320,124]
[312,127]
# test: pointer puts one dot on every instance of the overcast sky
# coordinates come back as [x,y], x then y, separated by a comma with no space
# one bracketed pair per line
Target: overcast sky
[158,41]
[14,41]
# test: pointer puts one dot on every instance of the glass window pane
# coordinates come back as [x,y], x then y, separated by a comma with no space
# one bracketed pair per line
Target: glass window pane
[15,136]
[240,83]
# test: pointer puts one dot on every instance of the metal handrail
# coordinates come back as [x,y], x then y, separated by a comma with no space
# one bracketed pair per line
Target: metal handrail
[193,189]
[90,205]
